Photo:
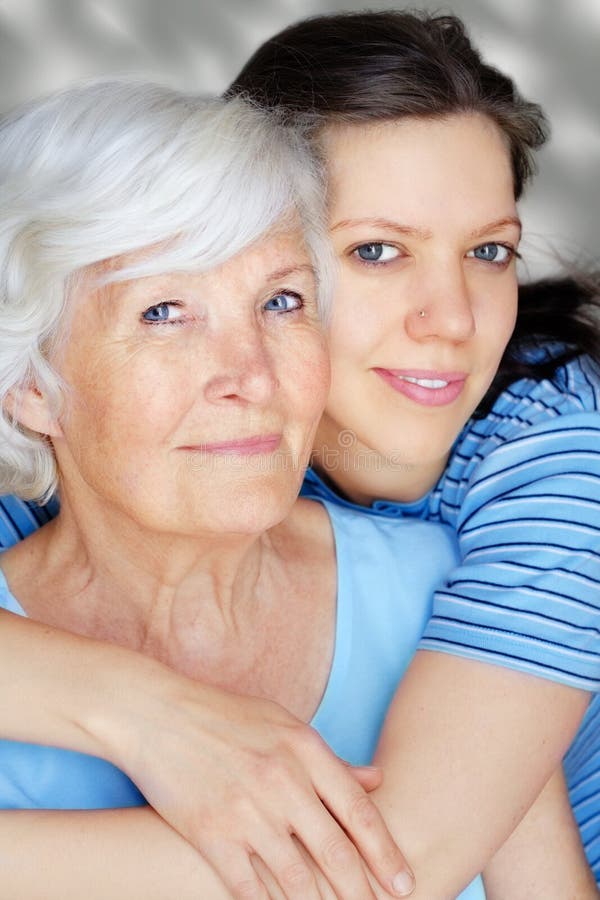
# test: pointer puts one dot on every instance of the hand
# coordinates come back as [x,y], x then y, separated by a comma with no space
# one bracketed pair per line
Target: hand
[239,776]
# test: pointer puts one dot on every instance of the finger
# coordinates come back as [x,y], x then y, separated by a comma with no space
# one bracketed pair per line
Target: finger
[369,777]
[281,857]
[333,852]
[236,871]
[360,818]
[325,888]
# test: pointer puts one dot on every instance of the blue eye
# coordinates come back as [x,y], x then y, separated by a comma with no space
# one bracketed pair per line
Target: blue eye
[286,301]
[494,253]
[162,312]
[376,252]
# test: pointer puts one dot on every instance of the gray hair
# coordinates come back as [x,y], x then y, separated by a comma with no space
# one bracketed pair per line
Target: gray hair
[107,168]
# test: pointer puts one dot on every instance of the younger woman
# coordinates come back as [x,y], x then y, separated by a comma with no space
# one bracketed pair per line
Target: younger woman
[435,412]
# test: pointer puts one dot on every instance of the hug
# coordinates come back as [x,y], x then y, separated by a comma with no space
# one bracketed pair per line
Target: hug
[169,369]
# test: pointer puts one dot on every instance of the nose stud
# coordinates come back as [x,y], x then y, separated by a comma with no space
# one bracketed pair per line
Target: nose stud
[422,313]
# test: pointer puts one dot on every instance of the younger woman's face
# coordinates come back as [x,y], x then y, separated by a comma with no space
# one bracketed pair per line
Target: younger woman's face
[425,230]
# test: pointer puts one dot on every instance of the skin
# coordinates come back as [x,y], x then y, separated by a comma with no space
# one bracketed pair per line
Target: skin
[151,332]
[449,812]
[426,248]
[430,218]
[161,509]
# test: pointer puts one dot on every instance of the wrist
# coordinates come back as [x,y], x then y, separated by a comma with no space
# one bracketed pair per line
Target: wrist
[127,694]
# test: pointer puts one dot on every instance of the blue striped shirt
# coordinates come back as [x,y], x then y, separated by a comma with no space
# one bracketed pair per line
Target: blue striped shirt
[522,491]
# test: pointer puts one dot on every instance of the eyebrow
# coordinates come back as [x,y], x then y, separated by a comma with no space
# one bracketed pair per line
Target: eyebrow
[424,233]
[496,224]
[388,224]
[291,270]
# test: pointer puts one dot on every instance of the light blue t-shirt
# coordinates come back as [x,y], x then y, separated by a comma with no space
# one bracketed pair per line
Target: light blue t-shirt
[387,573]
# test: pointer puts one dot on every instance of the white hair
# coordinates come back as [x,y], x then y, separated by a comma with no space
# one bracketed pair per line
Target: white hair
[110,167]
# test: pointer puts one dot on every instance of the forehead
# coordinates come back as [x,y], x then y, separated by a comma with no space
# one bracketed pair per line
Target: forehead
[282,246]
[419,164]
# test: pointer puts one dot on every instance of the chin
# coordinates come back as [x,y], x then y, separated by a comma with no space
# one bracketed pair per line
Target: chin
[251,509]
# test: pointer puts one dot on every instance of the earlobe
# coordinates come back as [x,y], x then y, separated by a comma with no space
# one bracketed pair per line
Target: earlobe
[31,409]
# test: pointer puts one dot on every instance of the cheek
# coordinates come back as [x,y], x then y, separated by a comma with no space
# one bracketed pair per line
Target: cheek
[350,335]
[120,398]
[365,311]
[309,379]
[496,319]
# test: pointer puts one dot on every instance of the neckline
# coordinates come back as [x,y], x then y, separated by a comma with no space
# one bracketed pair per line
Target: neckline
[328,706]
[10,602]
[342,629]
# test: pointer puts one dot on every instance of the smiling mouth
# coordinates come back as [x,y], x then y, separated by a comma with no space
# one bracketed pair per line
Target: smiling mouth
[252,446]
[429,383]
[425,388]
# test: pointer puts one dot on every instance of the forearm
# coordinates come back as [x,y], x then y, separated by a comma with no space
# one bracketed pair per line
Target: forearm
[125,854]
[234,775]
[68,691]
[466,749]
[543,857]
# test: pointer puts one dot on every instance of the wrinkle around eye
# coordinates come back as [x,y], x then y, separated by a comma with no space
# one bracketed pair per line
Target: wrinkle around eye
[296,303]
[166,306]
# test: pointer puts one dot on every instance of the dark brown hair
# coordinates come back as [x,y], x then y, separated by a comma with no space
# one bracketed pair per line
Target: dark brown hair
[377,66]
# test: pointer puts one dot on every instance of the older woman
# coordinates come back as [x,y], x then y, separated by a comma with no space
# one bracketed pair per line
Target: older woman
[167,492]
[163,364]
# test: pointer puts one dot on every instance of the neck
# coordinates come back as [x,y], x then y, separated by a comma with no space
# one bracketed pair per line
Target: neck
[251,614]
[364,476]
[124,582]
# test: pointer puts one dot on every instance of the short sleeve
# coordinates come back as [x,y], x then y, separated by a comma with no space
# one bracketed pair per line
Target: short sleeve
[526,594]
[18,518]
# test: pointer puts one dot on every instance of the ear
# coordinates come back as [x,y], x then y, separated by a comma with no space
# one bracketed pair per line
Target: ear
[31,408]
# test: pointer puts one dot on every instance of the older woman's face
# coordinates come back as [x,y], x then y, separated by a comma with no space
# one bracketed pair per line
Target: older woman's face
[195,397]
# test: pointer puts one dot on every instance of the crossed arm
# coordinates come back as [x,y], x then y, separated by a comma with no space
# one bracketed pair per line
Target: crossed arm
[466,750]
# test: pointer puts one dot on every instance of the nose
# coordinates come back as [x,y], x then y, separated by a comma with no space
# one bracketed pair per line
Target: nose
[443,309]
[244,370]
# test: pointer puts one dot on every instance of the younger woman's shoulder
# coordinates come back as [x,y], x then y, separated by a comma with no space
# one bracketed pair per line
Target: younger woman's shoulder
[535,430]
[20,518]
[571,395]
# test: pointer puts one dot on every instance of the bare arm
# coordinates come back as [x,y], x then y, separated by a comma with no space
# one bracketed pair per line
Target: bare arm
[544,856]
[268,774]
[122,854]
[466,749]
[461,771]
[454,790]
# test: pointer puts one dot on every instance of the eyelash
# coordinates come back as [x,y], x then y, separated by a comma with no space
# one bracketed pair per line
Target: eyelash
[172,304]
[288,293]
[176,304]
[375,263]
[512,254]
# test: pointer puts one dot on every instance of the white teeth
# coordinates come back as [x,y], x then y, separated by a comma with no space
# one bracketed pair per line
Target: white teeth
[425,382]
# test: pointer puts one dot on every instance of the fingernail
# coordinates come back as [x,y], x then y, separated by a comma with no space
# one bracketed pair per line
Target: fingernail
[403,883]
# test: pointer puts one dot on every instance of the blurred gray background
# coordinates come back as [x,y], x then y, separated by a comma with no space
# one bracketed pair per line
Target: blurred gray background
[551,48]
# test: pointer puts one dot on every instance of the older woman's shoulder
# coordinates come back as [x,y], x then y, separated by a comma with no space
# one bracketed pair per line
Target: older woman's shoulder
[306,533]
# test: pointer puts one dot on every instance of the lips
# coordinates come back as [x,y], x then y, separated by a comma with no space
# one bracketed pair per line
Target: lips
[252,446]
[425,387]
